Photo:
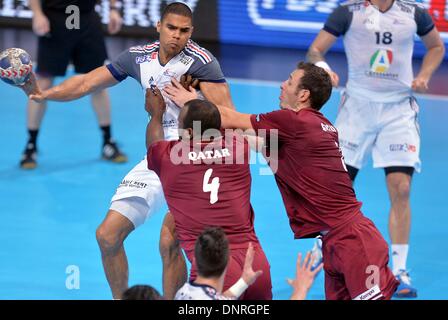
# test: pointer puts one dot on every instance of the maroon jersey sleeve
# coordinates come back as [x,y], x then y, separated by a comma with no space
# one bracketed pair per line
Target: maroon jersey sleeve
[276,122]
[155,154]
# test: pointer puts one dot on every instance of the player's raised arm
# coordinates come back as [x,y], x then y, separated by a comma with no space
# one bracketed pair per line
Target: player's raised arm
[75,87]
[155,106]
[229,117]
[336,25]
[248,277]
[218,93]
[304,279]
[41,25]
[317,51]
[321,44]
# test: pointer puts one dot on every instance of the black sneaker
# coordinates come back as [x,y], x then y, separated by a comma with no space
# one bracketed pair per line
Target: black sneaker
[29,157]
[111,153]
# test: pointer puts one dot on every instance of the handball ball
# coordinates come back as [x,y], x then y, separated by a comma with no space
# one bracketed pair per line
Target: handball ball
[15,66]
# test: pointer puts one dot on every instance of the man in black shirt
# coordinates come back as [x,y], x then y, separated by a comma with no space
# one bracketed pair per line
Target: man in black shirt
[57,46]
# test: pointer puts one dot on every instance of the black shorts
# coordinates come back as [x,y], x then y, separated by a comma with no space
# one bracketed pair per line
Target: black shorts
[84,47]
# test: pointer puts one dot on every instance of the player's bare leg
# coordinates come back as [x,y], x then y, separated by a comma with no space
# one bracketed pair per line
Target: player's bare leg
[399,187]
[174,266]
[101,105]
[110,236]
[35,114]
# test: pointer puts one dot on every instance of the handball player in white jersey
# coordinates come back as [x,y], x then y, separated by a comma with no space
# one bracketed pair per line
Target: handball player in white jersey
[378,112]
[140,192]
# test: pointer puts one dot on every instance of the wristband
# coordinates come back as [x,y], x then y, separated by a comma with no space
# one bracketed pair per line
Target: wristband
[238,288]
[323,65]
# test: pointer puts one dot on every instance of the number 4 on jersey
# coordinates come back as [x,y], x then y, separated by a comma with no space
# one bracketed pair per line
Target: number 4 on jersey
[342,157]
[211,187]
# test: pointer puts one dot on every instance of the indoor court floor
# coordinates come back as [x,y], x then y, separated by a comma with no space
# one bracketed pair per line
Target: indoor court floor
[49,215]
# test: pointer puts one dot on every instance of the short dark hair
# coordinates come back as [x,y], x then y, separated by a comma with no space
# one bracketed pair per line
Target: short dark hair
[205,112]
[178,8]
[211,252]
[317,81]
[141,292]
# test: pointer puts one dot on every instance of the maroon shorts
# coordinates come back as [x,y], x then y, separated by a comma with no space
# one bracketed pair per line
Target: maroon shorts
[262,287]
[356,260]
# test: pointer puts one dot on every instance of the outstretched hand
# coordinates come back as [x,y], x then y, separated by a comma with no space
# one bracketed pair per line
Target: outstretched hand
[304,277]
[154,103]
[249,275]
[177,93]
[32,89]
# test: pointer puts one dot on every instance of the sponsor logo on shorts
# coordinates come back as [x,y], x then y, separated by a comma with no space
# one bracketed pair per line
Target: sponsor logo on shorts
[170,123]
[348,145]
[142,59]
[373,293]
[327,127]
[405,147]
[132,184]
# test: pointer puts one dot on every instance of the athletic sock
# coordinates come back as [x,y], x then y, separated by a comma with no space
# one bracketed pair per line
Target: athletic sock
[399,257]
[106,134]
[32,139]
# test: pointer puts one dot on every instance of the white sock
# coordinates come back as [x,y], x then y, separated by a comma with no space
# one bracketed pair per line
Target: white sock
[399,257]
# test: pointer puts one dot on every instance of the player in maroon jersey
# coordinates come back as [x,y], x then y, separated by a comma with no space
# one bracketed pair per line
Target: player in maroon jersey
[206,182]
[315,186]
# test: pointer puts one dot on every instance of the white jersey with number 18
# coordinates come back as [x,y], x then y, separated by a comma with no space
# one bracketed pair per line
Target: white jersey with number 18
[379,46]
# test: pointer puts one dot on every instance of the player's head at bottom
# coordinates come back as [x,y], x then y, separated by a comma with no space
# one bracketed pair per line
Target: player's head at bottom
[199,119]
[141,292]
[211,253]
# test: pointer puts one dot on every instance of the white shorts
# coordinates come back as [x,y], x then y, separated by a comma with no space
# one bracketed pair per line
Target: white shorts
[139,183]
[389,130]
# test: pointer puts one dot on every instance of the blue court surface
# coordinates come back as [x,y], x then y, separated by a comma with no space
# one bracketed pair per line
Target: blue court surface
[49,215]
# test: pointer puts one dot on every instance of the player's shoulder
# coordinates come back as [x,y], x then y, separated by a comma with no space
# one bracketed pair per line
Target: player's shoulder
[145,49]
[142,53]
[198,53]
[310,115]
[316,121]
[162,144]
